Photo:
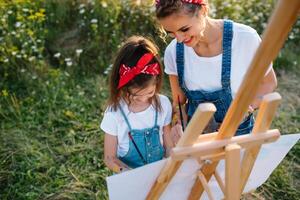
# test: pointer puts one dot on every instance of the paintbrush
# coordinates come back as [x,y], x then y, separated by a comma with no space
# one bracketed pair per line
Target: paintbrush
[180,113]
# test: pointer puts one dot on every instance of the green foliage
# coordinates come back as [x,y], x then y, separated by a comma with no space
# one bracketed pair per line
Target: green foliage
[50,140]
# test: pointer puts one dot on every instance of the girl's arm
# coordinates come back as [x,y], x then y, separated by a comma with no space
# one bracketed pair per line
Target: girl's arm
[110,154]
[167,139]
[268,85]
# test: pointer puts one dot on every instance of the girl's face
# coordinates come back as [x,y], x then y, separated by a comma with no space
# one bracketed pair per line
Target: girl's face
[142,96]
[185,28]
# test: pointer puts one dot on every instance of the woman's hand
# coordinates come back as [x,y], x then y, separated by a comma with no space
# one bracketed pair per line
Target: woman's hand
[176,133]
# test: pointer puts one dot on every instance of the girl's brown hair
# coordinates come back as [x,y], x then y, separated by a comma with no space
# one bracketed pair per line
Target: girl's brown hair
[129,54]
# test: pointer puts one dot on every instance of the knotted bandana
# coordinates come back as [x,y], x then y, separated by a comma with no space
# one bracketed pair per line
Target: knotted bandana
[128,73]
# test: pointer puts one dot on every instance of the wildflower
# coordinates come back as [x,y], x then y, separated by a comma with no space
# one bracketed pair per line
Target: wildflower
[69,114]
[67,59]
[23,70]
[14,53]
[57,55]
[6,60]
[25,10]
[94,21]
[34,77]
[81,11]
[78,52]
[4,93]
[104,4]
[81,6]
[69,63]
[10,12]
[31,58]
[18,24]
[81,93]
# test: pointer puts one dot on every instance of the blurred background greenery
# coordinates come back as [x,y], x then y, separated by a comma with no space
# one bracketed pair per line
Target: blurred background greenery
[54,59]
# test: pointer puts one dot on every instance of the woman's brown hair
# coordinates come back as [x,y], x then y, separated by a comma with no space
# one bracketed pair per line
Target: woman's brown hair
[165,8]
[129,54]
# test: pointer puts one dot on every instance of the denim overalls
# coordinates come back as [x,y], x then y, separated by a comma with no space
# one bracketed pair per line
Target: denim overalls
[148,143]
[220,98]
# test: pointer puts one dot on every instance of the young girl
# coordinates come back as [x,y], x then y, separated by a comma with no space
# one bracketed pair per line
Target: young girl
[208,58]
[137,120]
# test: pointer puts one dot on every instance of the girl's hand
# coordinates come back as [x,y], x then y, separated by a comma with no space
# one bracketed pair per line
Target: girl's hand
[176,133]
[115,164]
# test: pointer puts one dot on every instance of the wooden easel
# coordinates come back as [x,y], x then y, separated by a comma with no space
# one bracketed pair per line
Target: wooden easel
[210,148]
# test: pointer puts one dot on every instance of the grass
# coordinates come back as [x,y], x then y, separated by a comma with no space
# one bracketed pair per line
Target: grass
[51,146]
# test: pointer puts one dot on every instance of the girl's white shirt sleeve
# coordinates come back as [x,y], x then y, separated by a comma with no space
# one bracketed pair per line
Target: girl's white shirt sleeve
[109,123]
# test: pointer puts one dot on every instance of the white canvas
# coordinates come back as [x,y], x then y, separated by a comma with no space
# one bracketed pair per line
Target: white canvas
[135,184]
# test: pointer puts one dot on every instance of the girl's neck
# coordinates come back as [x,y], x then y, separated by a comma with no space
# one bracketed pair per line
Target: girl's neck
[136,107]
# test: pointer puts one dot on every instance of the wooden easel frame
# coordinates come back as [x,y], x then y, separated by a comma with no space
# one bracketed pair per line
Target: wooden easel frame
[284,16]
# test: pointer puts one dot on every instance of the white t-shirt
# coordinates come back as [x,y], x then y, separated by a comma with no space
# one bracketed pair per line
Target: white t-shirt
[113,122]
[204,73]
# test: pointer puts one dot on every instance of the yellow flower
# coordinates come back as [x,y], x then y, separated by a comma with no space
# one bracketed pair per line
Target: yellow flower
[69,114]
[4,93]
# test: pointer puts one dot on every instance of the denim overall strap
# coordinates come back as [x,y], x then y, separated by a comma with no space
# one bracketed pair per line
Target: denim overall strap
[180,66]
[226,56]
[126,120]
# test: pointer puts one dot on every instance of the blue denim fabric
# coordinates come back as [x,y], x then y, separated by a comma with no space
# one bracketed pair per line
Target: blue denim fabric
[220,98]
[148,143]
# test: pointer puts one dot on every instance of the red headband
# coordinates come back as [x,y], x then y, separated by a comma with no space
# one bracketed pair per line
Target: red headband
[199,2]
[127,73]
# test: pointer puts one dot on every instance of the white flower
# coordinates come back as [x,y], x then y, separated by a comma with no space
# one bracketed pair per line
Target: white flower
[38,41]
[81,11]
[81,6]
[13,32]
[10,12]
[57,55]
[81,93]
[25,10]
[18,56]
[31,58]
[104,4]
[18,24]
[23,70]
[69,63]
[13,53]
[6,60]
[67,59]
[94,21]
[78,52]
[34,77]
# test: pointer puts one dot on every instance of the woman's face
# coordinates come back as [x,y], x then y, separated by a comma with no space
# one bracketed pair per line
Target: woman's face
[185,28]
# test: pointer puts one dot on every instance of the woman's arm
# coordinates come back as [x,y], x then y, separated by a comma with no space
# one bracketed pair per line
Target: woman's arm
[268,85]
[176,91]
[110,154]
[167,139]
[177,94]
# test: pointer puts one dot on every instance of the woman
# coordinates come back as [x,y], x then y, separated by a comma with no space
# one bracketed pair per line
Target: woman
[208,58]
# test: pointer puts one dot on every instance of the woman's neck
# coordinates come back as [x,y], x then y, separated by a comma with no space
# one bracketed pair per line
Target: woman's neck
[210,44]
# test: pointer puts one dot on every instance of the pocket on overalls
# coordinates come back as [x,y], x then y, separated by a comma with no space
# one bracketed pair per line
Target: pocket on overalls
[222,108]
[246,126]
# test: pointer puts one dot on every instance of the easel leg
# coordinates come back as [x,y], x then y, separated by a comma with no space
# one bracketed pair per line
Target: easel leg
[233,172]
